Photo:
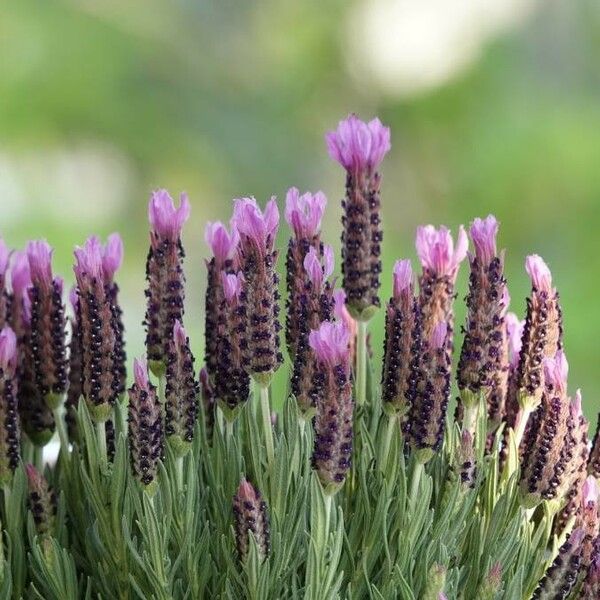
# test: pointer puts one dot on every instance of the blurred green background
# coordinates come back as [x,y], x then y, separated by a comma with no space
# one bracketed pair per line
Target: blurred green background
[494,107]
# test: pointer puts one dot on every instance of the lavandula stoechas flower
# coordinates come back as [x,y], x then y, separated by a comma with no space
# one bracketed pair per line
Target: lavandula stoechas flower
[542,333]
[360,147]
[145,427]
[333,389]
[440,261]
[428,412]
[260,297]
[483,364]
[181,392]
[4,295]
[588,519]
[207,396]
[48,324]
[224,246]
[37,420]
[303,214]
[250,518]
[75,390]
[41,501]
[402,343]
[467,466]
[100,369]
[232,382]
[9,416]
[314,305]
[548,446]
[340,312]
[164,274]
[562,573]
[514,334]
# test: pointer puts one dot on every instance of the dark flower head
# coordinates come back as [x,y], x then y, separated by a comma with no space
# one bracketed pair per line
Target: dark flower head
[250,519]
[9,416]
[42,501]
[207,396]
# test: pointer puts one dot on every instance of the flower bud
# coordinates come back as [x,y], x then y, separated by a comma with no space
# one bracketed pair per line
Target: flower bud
[42,501]
[250,518]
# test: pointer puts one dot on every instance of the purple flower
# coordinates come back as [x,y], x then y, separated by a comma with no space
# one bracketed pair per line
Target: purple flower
[9,416]
[357,145]
[39,254]
[304,212]
[436,251]
[207,396]
[112,256]
[20,275]
[4,257]
[403,278]
[89,261]
[556,370]
[8,350]
[166,220]
[331,344]
[255,226]
[538,271]
[319,268]
[42,501]
[483,233]
[250,519]
[232,286]
[514,332]
[221,242]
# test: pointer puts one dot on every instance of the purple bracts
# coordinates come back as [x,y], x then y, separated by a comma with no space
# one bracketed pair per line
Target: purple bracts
[9,415]
[250,518]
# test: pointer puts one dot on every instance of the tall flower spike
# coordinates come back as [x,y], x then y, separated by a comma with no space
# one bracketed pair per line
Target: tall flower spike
[9,416]
[562,574]
[333,389]
[402,343]
[250,518]
[164,273]
[483,364]
[145,427]
[42,501]
[181,392]
[514,333]
[4,295]
[542,333]
[260,298]
[48,324]
[314,306]
[232,382]
[224,247]
[360,147]
[75,390]
[303,214]
[428,413]
[207,396]
[112,259]
[547,446]
[100,369]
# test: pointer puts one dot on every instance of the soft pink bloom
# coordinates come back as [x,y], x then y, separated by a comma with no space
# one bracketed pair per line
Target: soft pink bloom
[556,370]
[179,334]
[575,406]
[112,256]
[342,314]
[258,226]
[304,212]
[590,492]
[8,348]
[357,145]
[4,257]
[88,259]
[438,335]
[232,285]
[538,271]
[318,271]
[39,255]
[221,242]
[35,478]
[74,298]
[403,276]
[166,220]
[331,343]
[483,234]
[20,276]
[442,596]
[140,373]
[436,251]
[514,332]
[246,491]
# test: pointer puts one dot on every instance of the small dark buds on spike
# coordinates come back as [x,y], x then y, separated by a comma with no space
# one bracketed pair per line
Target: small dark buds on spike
[250,519]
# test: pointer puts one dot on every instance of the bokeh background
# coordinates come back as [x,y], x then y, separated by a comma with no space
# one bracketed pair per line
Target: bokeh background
[494,107]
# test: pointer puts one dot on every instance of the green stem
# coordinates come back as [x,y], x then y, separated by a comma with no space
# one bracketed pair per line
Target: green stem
[266,419]
[361,363]
[387,441]
[328,502]
[62,433]
[38,458]
[414,484]
[101,438]
[179,473]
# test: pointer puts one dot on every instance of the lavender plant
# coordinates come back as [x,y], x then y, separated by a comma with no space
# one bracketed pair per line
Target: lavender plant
[196,481]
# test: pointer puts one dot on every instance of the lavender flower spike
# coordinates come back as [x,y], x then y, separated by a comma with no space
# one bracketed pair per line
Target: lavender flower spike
[48,325]
[333,422]
[42,501]
[428,413]
[303,214]
[164,274]
[145,427]
[483,364]
[4,296]
[232,383]
[181,392]
[9,416]
[250,518]
[402,343]
[224,248]
[315,305]
[100,370]
[260,298]
[360,147]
